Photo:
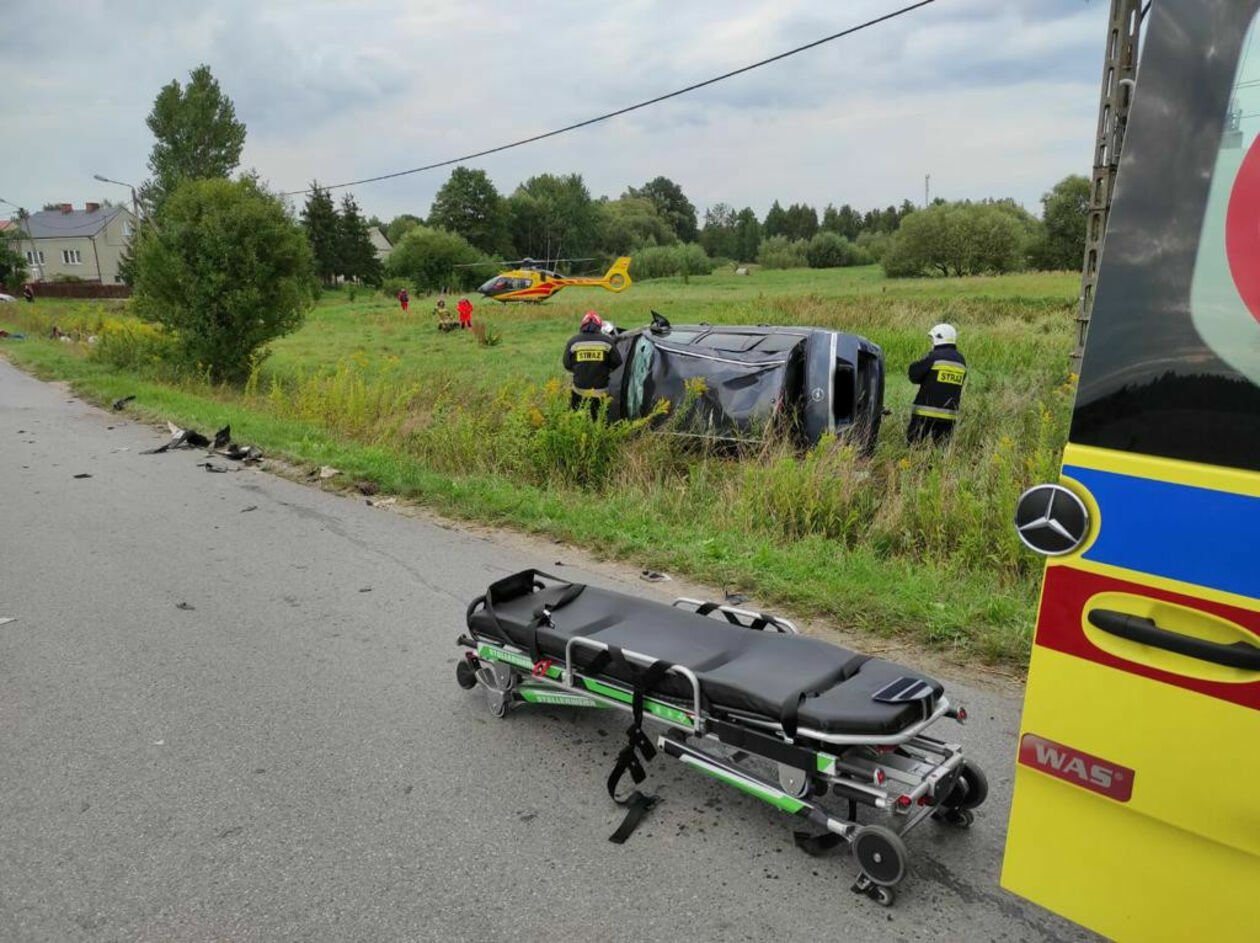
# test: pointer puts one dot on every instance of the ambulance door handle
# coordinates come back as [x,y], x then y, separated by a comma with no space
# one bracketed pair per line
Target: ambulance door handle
[1137,629]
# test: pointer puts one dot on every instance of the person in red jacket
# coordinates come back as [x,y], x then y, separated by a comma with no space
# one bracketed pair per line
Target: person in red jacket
[403,299]
[465,314]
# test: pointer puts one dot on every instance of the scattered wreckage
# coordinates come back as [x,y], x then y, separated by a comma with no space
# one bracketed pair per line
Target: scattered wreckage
[741,383]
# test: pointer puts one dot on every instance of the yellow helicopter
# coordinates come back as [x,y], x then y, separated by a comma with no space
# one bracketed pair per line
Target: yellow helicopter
[534,282]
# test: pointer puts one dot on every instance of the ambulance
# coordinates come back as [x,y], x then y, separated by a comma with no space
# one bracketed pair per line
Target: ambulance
[1136,809]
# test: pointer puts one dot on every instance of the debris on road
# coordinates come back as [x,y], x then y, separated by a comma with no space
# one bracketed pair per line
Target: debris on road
[383,502]
[211,467]
[252,507]
[120,403]
[5,620]
[327,471]
[654,576]
[188,607]
[368,487]
[365,589]
[83,475]
[223,437]
[242,453]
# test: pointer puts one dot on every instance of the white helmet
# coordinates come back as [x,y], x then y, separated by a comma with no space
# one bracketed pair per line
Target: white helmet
[943,334]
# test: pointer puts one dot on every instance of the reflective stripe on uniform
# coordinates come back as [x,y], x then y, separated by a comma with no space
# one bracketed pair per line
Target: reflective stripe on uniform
[934,412]
[591,351]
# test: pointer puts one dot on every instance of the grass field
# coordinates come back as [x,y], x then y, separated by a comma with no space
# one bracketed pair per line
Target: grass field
[910,542]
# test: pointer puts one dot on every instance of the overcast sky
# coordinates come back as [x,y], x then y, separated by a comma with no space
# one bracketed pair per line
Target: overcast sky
[991,97]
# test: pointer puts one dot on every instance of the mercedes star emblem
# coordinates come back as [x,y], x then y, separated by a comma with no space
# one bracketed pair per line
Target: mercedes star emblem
[1051,520]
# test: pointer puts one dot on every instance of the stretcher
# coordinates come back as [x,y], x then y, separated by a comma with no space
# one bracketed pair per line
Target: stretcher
[813,729]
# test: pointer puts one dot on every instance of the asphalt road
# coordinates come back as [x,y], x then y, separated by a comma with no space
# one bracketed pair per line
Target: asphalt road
[290,758]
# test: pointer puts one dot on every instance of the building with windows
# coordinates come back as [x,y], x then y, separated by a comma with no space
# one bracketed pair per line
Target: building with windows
[85,244]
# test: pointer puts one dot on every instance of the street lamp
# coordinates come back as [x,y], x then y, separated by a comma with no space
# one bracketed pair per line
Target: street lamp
[135,204]
[35,261]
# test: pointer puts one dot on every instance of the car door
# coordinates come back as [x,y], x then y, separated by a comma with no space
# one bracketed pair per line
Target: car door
[1136,809]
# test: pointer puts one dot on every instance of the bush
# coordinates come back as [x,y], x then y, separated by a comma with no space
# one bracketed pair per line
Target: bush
[829,250]
[226,269]
[428,259]
[666,261]
[136,345]
[874,244]
[961,239]
[390,287]
[781,252]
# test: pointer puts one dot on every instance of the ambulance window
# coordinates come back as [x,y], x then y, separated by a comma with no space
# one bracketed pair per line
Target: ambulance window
[1172,361]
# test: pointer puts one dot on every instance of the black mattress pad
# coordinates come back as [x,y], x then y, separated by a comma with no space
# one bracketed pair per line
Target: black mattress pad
[745,670]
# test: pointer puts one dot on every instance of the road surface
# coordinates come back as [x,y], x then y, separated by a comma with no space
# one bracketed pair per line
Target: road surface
[228,712]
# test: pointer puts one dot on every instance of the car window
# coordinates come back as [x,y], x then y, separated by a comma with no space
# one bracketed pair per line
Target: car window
[1172,360]
[778,343]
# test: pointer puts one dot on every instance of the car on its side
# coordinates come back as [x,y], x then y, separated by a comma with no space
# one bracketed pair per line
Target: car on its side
[742,383]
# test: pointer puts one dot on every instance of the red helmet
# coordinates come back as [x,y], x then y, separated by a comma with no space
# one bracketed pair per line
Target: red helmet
[591,318]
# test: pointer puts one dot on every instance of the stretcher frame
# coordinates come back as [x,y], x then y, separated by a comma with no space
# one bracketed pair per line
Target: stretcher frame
[908,776]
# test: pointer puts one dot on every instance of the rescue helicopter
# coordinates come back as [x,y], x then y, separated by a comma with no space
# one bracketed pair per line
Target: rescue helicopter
[531,281]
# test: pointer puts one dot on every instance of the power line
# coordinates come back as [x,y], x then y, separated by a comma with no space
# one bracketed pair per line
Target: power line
[629,108]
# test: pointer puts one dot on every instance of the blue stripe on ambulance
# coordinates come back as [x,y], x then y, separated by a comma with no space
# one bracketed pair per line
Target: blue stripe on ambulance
[1195,535]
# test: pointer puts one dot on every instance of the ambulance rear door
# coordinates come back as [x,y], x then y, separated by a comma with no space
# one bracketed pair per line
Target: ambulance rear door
[1137,789]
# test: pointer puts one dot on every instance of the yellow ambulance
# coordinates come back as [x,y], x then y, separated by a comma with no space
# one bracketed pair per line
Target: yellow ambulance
[1136,809]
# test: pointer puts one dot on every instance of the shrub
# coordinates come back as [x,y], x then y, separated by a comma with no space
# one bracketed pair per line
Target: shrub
[486,335]
[961,239]
[874,244]
[829,250]
[781,252]
[666,261]
[226,269]
[390,287]
[139,346]
[429,258]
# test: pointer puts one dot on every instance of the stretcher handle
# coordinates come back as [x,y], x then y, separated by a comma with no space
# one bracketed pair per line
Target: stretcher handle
[572,672]
[733,615]
[1240,654]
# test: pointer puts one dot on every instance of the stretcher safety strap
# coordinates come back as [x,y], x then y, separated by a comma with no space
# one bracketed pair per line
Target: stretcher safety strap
[638,744]
[762,621]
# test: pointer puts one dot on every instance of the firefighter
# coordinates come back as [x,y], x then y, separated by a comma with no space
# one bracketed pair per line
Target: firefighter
[590,356]
[940,377]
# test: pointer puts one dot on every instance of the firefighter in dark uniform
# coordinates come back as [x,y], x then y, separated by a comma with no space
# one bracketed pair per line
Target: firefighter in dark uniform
[590,356]
[940,376]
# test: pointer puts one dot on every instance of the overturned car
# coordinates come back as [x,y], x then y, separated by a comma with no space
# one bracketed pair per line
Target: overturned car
[741,384]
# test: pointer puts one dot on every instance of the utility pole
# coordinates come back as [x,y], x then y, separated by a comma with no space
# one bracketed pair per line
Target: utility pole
[1118,80]
[927,183]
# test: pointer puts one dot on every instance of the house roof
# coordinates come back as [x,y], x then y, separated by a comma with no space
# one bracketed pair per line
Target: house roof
[6,224]
[54,224]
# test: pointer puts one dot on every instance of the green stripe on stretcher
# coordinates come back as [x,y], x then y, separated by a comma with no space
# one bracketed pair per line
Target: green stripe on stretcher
[537,695]
[933,412]
[663,711]
[780,800]
[490,653]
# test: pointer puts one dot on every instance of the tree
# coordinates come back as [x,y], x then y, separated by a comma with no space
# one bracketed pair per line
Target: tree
[13,272]
[718,235]
[631,223]
[198,136]
[553,215]
[776,221]
[958,239]
[782,252]
[1065,213]
[800,221]
[355,252]
[469,204]
[673,205]
[323,229]
[399,226]
[747,235]
[227,271]
[428,257]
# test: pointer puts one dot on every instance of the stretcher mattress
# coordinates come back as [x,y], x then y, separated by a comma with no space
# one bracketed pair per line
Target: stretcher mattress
[739,669]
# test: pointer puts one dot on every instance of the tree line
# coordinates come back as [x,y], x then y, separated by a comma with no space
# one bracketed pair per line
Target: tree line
[552,216]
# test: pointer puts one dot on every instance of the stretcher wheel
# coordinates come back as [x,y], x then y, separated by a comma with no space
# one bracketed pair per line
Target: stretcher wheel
[465,675]
[956,818]
[977,786]
[970,789]
[881,855]
[884,896]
